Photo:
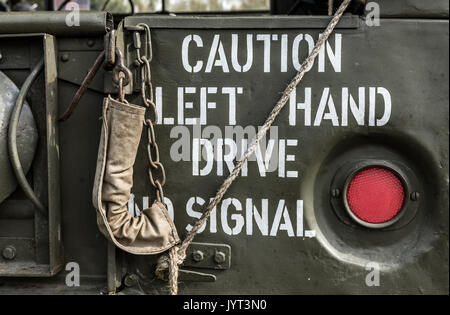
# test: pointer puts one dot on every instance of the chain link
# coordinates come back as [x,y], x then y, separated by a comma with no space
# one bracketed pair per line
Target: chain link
[152,146]
[156,171]
[121,75]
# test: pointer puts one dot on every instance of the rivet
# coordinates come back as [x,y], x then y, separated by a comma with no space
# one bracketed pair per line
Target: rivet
[219,257]
[9,252]
[415,196]
[65,57]
[198,255]
[335,193]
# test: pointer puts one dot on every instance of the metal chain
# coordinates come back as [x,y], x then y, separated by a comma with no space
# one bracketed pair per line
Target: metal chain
[156,171]
[121,75]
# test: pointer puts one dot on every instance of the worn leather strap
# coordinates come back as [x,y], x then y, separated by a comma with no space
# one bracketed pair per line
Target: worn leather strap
[153,231]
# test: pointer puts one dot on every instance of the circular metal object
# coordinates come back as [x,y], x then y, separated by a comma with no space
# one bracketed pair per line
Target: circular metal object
[9,252]
[65,57]
[358,220]
[27,136]
[335,193]
[415,196]
[219,257]
[198,255]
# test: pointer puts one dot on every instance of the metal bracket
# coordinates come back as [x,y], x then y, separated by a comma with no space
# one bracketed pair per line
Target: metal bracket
[189,275]
[208,256]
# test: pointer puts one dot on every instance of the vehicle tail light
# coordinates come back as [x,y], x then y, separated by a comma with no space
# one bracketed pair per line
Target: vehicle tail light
[375,195]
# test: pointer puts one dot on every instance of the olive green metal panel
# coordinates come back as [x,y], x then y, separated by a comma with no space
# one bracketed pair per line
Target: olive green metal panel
[79,137]
[315,252]
[56,23]
[307,250]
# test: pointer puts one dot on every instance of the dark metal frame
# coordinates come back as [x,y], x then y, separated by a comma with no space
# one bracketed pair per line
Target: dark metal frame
[42,255]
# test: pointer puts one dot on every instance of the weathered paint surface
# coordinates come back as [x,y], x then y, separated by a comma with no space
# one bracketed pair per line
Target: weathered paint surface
[398,68]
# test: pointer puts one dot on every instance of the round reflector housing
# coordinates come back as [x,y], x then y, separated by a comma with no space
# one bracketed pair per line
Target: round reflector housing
[374,196]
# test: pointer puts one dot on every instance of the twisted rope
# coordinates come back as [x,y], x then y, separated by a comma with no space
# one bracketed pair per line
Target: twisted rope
[330,7]
[177,254]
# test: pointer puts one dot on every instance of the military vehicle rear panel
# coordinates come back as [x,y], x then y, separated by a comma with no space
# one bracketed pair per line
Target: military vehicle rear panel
[376,97]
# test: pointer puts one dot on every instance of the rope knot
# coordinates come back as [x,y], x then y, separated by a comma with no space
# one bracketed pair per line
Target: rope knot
[170,261]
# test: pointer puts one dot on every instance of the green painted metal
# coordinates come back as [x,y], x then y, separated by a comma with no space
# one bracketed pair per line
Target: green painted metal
[89,23]
[239,22]
[208,256]
[334,261]
[408,57]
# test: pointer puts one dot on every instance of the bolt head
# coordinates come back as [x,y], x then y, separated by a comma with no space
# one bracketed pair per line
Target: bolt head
[198,255]
[90,43]
[335,193]
[9,252]
[415,196]
[219,257]
[65,57]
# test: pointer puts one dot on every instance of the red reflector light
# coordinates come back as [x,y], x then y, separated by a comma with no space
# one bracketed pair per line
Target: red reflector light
[375,195]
